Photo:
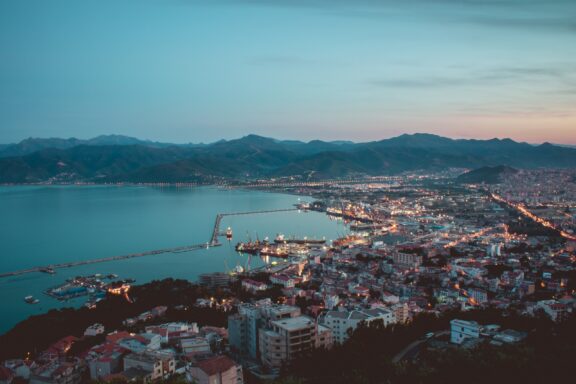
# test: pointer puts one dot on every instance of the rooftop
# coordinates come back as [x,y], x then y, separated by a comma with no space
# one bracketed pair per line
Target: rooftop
[216,365]
[294,323]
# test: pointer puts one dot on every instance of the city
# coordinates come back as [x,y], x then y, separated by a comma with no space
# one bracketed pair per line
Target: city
[287,191]
[418,246]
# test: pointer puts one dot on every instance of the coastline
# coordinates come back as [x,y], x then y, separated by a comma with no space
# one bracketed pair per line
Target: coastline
[184,265]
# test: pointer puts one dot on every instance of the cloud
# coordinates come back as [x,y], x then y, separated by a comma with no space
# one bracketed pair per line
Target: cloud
[560,74]
[528,15]
[423,82]
[557,24]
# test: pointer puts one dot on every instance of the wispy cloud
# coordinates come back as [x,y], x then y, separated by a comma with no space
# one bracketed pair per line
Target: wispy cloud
[563,75]
[423,82]
[541,15]
[565,23]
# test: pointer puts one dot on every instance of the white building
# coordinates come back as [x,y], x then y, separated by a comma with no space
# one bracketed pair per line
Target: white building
[287,339]
[343,322]
[283,280]
[94,329]
[195,344]
[254,286]
[462,329]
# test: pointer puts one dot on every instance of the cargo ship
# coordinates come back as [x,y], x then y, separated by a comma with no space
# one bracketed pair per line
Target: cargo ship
[262,248]
[281,239]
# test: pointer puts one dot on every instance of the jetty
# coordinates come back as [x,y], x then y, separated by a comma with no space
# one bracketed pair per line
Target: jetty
[216,233]
[213,242]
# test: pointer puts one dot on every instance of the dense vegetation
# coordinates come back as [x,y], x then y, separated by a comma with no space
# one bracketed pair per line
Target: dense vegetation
[545,356]
[38,332]
[487,175]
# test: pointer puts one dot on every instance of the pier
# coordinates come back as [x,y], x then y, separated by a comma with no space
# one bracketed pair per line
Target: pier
[216,231]
[212,243]
[105,259]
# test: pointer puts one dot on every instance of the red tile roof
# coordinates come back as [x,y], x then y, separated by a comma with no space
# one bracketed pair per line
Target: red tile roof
[216,365]
[6,374]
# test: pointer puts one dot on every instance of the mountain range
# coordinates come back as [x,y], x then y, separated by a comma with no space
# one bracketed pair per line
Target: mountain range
[118,158]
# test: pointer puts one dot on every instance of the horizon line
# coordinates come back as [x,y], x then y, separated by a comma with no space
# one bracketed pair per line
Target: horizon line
[455,138]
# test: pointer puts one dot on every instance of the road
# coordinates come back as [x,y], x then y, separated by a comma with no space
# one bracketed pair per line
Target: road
[412,349]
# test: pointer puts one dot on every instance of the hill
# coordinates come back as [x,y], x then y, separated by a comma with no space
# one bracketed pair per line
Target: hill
[118,158]
[31,145]
[486,175]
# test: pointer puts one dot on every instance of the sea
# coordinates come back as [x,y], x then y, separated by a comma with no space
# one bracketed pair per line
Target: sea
[43,225]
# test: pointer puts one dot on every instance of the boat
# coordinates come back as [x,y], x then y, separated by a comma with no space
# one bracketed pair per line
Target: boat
[281,239]
[31,300]
[48,270]
[262,248]
[250,247]
[229,233]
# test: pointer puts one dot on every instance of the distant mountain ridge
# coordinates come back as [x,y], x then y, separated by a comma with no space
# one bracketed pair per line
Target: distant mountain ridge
[31,145]
[119,158]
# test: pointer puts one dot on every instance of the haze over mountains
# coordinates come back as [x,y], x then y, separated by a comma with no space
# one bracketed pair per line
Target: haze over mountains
[119,158]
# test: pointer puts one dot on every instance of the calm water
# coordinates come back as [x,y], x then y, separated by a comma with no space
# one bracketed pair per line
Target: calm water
[45,225]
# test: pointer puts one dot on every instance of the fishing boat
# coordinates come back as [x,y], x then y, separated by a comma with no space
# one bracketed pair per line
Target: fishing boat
[31,300]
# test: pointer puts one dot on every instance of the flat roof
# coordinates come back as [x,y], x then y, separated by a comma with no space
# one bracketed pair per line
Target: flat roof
[294,323]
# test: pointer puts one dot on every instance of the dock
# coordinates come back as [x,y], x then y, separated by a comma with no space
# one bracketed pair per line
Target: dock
[216,233]
[212,243]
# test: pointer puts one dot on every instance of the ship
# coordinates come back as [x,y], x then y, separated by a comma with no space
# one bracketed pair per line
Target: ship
[229,233]
[31,300]
[262,248]
[250,247]
[48,270]
[281,239]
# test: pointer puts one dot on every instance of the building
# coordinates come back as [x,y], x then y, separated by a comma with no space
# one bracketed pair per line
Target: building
[58,373]
[144,363]
[216,279]
[407,259]
[324,337]
[254,286]
[286,339]
[343,323]
[104,360]
[283,280]
[94,329]
[195,345]
[461,330]
[6,375]
[216,370]
[510,336]
[401,312]
[244,326]
[555,310]
[477,296]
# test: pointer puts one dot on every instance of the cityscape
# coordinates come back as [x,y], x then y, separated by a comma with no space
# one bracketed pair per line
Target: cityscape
[287,192]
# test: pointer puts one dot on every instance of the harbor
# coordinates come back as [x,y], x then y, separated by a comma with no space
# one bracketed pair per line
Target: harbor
[214,242]
[146,217]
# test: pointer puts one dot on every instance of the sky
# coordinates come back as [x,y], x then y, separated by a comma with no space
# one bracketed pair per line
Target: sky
[202,70]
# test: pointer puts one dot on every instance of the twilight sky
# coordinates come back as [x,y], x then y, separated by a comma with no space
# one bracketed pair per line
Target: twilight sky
[202,70]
